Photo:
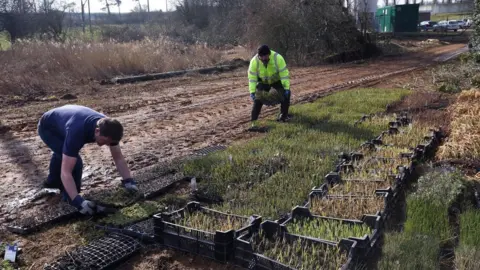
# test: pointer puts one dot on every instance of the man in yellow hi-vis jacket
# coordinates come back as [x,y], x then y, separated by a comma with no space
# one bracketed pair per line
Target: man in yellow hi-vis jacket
[268,69]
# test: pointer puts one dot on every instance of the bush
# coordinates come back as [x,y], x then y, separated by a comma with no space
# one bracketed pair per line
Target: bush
[123,33]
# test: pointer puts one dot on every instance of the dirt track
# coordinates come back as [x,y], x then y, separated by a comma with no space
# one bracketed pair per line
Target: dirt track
[163,119]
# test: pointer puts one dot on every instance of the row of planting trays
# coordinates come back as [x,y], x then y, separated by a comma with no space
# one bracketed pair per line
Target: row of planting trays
[337,228]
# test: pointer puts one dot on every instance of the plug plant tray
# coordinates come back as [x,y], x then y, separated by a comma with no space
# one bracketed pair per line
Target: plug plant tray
[217,245]
[140,230]
[103,253]
[253,250]
[160,185]
[49,216]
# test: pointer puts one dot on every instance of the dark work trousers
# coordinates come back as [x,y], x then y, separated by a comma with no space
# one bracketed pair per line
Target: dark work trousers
[257,105]
[55,143]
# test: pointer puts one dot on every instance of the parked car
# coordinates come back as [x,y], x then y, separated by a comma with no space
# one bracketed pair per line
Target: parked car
[444,26]
[426,25]
[461,24]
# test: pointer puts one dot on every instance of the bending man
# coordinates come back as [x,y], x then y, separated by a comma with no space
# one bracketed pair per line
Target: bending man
[268,69]
[65,130]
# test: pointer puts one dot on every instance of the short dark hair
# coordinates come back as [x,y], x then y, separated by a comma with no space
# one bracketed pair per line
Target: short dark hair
[110,128]
[263,50]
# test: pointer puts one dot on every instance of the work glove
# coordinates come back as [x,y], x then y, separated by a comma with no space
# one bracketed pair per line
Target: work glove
[287,93]
[130,185]
[84,206]
[252,96]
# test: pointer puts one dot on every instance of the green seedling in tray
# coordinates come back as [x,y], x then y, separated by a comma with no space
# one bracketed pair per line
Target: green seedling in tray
[408,137]
[211,223]
[348,207]
[359,187]
[372,163]
[301,256]
[327,229]
[270,97]
[378,174]
[132,213]
[386,152]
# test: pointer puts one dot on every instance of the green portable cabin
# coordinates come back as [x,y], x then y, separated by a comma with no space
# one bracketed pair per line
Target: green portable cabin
[398,18]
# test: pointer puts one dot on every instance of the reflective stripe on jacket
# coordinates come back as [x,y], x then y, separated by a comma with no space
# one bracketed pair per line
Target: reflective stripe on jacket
[276,70]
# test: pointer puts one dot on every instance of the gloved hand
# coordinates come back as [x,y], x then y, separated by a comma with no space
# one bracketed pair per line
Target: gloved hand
[85,207]
[130,185]
[287,92]
[252,96]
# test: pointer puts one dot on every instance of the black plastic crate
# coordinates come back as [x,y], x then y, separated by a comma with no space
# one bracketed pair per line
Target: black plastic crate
[364,243]
[217,245]
[103,253]
[247,257]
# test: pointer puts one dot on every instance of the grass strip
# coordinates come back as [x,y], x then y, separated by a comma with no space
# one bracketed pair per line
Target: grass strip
[247,176]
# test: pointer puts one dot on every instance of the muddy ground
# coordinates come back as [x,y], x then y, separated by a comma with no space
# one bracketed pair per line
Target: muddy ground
[165,119]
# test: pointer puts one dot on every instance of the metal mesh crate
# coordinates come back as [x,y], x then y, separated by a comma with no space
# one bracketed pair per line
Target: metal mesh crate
[216,245]
[102,253]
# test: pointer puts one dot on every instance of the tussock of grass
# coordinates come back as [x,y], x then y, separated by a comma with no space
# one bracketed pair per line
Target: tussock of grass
[464,139]
[469,226]
[467,255]
[309,145]
[332,230]
[427,218]
[409,252]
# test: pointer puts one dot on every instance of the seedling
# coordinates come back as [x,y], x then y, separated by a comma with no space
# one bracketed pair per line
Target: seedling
[349,207]
[378,174]
[210,223]
[353,187]
[300,255]
[408,137]
[328,229]
[133,213]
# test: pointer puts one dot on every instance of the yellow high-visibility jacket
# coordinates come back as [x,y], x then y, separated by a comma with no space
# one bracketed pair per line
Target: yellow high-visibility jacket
[276,70]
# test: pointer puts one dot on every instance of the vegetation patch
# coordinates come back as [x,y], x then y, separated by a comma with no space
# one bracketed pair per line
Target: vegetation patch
[348,207]
[299,254]
[300,153]
[132,213]
[409,252]
[327,229]
[211,223]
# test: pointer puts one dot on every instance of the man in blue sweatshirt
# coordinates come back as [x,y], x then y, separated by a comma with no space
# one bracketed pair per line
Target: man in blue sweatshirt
[65,130]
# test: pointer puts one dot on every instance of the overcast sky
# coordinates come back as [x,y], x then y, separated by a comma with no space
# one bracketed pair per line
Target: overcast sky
[126,6]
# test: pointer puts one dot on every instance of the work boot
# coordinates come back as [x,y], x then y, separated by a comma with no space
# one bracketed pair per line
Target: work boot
[282,118]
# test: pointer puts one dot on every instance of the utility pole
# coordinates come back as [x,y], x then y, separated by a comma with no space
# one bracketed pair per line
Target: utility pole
[90,20]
